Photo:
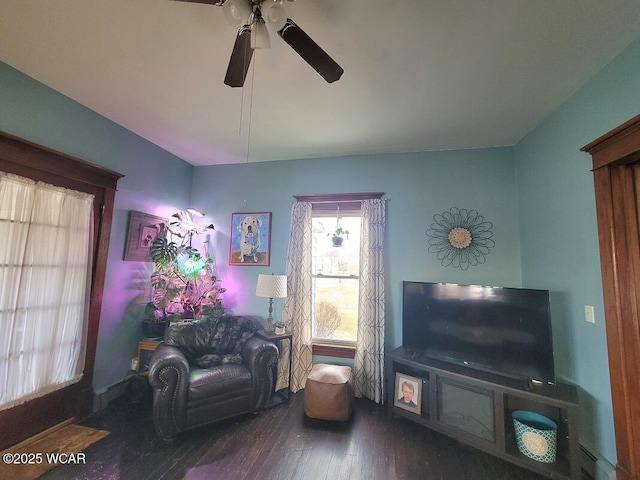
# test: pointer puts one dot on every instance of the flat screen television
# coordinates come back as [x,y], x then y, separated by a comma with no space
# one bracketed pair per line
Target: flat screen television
[505,331]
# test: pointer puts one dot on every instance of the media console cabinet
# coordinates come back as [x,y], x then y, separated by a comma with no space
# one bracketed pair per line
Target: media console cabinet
[475,408]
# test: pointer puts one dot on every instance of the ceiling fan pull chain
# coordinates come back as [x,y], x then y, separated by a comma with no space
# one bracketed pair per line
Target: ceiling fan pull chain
[241,110]
[253,74]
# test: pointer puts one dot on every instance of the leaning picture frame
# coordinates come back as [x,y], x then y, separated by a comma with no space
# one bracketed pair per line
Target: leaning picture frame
[143,230]
[250,239]
[408,393]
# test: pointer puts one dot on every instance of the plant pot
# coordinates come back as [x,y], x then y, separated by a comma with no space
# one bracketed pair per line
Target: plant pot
[337,241]
[152,329]
[279,330]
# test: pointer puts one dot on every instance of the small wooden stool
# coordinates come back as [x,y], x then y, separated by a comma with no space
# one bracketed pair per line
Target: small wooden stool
[329,392]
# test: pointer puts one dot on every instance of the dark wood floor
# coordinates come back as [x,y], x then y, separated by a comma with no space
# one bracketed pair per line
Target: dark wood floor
[281,443]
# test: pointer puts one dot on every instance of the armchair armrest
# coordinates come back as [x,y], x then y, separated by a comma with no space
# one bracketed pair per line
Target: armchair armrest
[169,377]
[259,356]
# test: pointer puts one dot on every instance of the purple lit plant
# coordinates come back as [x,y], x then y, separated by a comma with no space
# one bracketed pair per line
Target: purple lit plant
[183,284]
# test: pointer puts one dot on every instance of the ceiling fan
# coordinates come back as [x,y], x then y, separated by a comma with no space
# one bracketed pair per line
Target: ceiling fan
[253,16]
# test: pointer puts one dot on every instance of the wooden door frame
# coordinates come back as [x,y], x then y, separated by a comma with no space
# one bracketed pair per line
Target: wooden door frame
[617,210]
[33,161]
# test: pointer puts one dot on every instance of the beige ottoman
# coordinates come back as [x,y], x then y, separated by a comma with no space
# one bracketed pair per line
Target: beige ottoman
[328,392]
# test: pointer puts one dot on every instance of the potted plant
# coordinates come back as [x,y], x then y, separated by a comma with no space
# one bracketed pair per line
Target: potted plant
[337,236]
[154,323]
[183,286]
[280,327]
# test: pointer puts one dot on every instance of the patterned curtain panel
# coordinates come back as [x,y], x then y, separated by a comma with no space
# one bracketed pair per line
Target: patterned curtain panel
[297,305]
[369,360]
[45,271]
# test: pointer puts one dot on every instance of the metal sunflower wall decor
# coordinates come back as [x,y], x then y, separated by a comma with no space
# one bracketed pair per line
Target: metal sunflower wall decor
[460,238]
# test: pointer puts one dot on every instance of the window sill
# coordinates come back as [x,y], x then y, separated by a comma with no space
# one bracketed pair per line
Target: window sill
[334,351]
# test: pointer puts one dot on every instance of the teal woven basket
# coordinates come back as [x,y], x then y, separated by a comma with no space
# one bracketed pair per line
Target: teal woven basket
[536,435]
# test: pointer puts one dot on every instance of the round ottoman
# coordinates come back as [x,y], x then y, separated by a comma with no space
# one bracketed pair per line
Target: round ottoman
[328,392]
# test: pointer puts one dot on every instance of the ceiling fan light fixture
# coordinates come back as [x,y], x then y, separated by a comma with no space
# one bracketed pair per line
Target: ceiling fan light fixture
[275,15]
[237,12]
[259,33]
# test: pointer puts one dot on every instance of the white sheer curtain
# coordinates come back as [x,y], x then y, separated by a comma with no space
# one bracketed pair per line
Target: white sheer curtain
[369,359]
[297,305]
[45,268]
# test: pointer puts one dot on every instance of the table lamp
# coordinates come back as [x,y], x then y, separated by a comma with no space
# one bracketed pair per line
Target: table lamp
[271,286]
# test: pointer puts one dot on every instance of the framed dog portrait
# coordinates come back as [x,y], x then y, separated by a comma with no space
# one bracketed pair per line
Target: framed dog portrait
[143,229]
[408,393]
[250,239]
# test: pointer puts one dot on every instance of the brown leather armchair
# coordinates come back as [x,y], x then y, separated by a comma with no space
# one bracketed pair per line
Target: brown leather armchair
[209,371]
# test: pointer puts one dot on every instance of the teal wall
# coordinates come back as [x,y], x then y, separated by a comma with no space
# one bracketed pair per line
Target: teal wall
[559,233]
[417,186]
[539,196]
[37,113]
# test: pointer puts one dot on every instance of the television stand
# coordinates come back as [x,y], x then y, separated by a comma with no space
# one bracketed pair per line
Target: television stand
[475,408]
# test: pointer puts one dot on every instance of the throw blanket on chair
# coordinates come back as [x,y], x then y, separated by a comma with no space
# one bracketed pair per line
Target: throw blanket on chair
[211,342]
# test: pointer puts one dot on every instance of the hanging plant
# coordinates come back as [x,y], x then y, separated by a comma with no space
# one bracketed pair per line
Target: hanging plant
[337,236]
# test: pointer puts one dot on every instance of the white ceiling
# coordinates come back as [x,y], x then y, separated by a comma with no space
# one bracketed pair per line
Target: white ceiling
[419,74]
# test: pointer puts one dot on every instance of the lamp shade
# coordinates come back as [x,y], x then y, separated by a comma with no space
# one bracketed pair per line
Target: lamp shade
[259,34]
[272,286]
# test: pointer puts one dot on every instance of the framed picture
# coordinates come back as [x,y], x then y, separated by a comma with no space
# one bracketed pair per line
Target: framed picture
[143,229]
[250,242]
[408,393]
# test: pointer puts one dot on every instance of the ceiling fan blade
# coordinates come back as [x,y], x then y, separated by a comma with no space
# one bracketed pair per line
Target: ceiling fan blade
[240,58]
[310,51]
[206,2]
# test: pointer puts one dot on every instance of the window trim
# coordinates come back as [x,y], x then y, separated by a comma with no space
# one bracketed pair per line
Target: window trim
[329,202]
[328,350]
[338,197]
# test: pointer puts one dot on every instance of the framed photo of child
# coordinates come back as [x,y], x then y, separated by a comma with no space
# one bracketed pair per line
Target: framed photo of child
[408,393]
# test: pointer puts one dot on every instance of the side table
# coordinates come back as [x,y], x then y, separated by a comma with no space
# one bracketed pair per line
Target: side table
[279,396]
[145,349]
[138,389]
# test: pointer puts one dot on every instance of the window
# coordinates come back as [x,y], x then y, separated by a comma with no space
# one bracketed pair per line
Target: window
[31,161]
[335,273]
[335,278]
[330,317]
[336,283]
[46,266]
